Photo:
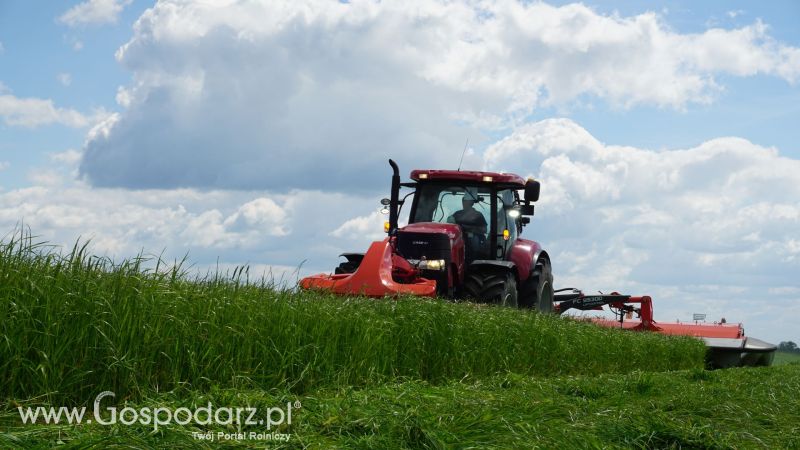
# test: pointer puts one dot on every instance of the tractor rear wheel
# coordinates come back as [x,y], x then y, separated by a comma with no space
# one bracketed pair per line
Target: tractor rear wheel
[537,291]
[495,287]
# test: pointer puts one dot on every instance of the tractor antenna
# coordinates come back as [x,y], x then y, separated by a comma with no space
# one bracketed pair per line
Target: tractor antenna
[462,155]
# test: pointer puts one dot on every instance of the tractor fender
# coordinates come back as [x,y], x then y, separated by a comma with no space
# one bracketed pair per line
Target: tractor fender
[541,255]
[525,254]
[490,263]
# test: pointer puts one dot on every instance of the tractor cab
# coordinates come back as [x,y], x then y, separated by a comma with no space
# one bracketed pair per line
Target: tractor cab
[484,214]
[485,205]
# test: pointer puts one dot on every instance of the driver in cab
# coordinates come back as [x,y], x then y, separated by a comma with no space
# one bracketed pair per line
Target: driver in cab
[470,219]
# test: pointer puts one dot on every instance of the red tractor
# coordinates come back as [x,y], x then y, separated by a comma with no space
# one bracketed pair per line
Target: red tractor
[462,241]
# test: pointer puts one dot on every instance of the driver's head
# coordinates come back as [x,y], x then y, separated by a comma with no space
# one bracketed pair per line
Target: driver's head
[467,203]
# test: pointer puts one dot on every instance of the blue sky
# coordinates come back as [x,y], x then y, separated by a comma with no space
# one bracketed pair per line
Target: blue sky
[760,108]
[258,133]
[36,49]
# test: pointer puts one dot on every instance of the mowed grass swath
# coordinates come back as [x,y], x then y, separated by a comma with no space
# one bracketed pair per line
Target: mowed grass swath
[73,325]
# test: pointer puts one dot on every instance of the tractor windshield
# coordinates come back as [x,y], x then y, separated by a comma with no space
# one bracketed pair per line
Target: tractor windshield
[466,206]
[469,206]
[440,203]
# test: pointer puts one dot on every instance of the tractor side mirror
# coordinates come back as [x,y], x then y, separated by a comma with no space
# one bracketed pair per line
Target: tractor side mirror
[531,191]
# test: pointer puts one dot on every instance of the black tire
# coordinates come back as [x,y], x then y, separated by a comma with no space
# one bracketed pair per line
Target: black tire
[537,291]
[495,287]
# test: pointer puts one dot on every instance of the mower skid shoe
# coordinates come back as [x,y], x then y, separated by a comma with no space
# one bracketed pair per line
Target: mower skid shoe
[373,278]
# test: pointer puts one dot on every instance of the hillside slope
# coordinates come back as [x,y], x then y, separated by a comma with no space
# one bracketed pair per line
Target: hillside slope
[362,373]
[75,325]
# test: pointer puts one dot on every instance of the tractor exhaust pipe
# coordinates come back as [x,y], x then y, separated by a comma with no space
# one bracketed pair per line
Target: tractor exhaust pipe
[394,201]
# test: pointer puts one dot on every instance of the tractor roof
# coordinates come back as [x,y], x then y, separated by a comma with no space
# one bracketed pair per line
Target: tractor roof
[506,179]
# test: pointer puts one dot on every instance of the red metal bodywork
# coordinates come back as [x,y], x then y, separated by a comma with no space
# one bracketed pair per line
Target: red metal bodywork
[647,323]
[453,232]
[524,254]
[384,273]
[727,345]
[373,277]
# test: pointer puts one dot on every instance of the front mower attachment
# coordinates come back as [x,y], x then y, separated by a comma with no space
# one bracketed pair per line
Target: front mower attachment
[373,278]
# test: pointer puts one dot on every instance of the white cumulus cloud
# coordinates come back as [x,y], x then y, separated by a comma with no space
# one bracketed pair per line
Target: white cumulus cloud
[122,222]
[723,216]
[362,228]
[35,112]
[69,157]
[94,12]
[317,94]
[225,227]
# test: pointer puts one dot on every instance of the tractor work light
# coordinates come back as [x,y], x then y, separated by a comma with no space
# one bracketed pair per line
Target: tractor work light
[423,176]
[429,264]
[487,179]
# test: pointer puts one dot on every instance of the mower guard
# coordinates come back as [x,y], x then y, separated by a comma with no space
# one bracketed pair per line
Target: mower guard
[727,345]
[373,278]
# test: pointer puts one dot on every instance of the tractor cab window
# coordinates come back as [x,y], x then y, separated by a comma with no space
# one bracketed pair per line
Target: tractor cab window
[463,205]
[441,203]
[507,219]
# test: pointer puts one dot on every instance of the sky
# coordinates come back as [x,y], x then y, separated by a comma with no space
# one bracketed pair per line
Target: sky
[665,134]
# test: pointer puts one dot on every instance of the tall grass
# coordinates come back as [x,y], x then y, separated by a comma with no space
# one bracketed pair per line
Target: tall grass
[72,325]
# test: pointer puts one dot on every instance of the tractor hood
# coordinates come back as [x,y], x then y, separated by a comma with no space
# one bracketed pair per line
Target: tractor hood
[451,230]
[439,243]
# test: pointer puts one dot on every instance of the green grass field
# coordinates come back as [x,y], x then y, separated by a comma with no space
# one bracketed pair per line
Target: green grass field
[735,408]
[786,358]
[368,373]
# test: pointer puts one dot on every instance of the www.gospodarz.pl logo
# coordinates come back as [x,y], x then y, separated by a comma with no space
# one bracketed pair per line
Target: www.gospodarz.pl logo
[273,417]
